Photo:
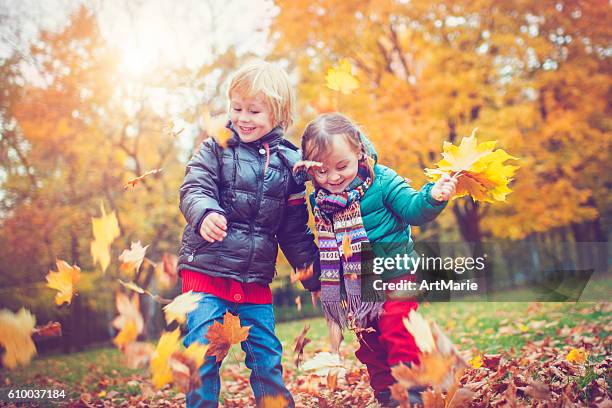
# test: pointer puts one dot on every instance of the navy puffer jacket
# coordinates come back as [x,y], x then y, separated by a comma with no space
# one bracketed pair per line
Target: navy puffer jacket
[252,185]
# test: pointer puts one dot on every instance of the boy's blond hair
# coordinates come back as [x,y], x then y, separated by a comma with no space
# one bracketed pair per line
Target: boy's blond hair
[272,82]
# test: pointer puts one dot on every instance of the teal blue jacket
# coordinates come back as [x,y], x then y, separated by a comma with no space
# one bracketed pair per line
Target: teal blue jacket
[388,209]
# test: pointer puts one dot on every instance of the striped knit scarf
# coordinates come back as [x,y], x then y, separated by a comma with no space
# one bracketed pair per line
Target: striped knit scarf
[339,226]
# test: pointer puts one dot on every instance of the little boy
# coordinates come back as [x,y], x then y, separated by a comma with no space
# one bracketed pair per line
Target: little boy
[241,202]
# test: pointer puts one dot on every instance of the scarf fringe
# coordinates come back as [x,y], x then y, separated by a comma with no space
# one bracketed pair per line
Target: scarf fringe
[364,313]
[334,311]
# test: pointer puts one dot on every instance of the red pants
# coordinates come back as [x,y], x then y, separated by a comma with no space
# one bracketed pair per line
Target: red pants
[388,345]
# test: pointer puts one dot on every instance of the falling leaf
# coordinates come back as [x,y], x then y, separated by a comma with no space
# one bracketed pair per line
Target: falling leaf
[63,281]
[300,342]
[340,78]
[324,362]
[185,374]
[49,330]
[298,303]
[166,271]
[132,258]
[273,401]
[432,370]
[577,356]
[216,127]
[16,337]
[129,310]
[105,230]
[222,336]
[197,351]
[180,306]
[133,181]
[479,169]
[433,399]
[476,361]
[306,165]
[137,354]
[126,335]
[400,394]
[131,286]
[346,246]
[302,274]
[168,344]
[420,330]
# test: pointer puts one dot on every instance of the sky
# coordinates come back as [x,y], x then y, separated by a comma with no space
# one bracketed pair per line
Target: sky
[182,32]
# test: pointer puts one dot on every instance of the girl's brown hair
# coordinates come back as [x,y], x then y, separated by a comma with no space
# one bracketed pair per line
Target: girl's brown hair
[320,132]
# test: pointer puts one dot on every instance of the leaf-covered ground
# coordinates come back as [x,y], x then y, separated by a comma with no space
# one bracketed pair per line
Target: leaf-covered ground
[518,345]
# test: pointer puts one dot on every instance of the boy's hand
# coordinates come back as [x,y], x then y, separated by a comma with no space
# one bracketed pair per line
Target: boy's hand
[444,188]
[214,227]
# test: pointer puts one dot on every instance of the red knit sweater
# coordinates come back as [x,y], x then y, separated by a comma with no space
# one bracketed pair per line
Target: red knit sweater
[226,289]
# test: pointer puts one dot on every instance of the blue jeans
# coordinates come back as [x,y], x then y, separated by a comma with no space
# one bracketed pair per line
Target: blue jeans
[263,350]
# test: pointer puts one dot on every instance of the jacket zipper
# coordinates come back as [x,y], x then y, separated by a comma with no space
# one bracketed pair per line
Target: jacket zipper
[260,176]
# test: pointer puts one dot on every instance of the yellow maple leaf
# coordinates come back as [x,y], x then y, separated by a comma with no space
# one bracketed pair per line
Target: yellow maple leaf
[340,78]
[63,280]
[126,335]
[577,356]
[480,170]
[180,306]
[168,344]
[105,230]
[222,336]
[215,127]
[132,258]
[16,337]
[129,310]
[100,253]
[476,361]
[421,331]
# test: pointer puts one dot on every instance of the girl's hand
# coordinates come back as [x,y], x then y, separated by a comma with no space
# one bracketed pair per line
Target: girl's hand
[314,296]
[444,188]
[214,227]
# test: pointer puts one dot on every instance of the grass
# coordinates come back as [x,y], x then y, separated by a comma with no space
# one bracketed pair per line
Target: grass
[484,327]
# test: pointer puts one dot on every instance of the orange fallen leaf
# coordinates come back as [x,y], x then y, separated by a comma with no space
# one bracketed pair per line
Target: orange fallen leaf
[298,303]
[273,401]
[63,281]
[222,336]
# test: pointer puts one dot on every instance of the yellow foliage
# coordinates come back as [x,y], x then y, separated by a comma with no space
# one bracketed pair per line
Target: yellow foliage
[340,78]
[64,281]
[168,344]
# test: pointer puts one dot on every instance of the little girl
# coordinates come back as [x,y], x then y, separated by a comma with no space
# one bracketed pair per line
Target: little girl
[371,203]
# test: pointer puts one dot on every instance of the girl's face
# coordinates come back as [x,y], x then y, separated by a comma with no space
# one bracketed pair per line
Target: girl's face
[339,167]
[251,117]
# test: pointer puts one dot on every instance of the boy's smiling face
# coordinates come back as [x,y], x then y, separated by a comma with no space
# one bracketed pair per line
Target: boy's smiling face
[250,116]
